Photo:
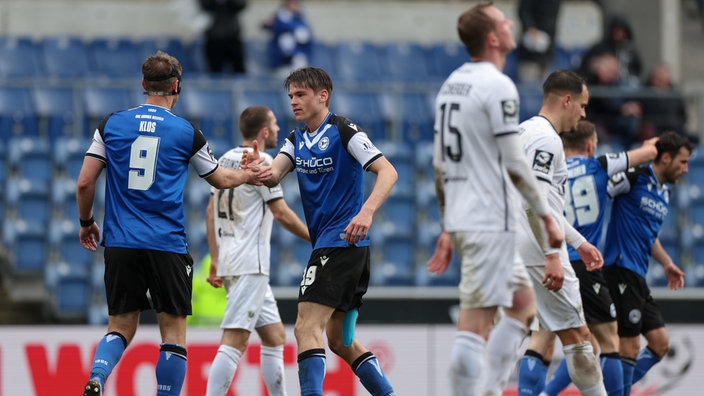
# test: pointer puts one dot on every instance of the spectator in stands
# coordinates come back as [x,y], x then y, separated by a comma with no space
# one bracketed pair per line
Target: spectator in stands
[664,107]
[224,48]
[618,40]
[291,42]
[641,202]
[146,151]
[536,49]
[612,107]
[241,261]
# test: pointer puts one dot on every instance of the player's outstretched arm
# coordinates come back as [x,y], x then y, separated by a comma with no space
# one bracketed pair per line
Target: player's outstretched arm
[645,153]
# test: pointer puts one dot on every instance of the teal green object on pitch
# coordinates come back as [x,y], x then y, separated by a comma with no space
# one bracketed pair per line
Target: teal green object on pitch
[348,326]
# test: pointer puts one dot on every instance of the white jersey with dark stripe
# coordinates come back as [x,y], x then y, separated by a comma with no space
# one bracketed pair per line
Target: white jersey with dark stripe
[546,156]
[475,106]
[146,151]
[243,222]
[330,163]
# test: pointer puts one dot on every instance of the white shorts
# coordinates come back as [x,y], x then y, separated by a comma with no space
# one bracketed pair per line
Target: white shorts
[491,269]
[250,303]
[556,310]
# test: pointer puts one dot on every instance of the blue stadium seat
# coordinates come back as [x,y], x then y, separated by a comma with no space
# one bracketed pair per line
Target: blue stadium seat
[358,62]
[65,57]
[71,298]
[220,145]
[31,159]
[195,59]
[531,97]
[362,108]
[413,114]
[399,217]
[101,101]
[29,200]
[115,58]
[397,267]
[324,56]
[257,58]
[18,116]
[148,46]
[63,197]
[213,110]
[57,110]
[19,58]
[68,154]
[405,62]
[445,58]
[28,246]
[451,276]
[67,251]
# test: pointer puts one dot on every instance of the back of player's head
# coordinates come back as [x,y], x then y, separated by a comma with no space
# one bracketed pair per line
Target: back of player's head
[252,120]
[578,136]
[158,72]
[314,78]
[473,26]
[563,81]
[671,142]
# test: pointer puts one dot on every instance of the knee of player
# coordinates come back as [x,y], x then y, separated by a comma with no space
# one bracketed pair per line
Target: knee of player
[336,344]
[660,345]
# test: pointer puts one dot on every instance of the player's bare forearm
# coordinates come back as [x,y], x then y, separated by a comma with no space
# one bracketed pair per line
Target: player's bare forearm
[440,192]
[285,216]
[386,178]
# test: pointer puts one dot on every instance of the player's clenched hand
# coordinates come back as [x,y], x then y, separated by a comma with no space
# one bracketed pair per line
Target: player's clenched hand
[675,277]
[89,237]
[358,227]
[213,278]
[555,235]
[256,173]
[591,256]
[554,273]
[442,256]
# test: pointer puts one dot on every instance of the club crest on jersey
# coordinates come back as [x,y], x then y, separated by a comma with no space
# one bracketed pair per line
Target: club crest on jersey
[324,143]
[542,161]
[510,110]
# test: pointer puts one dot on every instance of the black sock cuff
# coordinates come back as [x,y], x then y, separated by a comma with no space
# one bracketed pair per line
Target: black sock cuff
[115,333]
[360,360]
[177,350]
[628,361]
[310,353]
[532,353]
[612,355]
[653,353]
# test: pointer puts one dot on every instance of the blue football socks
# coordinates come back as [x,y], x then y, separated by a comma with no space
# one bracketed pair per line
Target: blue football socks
[559,381]
[612,371]
[372,377]
[107,354]
[532,371]
[170,370]
[646,360]
[629,366]
[311,372]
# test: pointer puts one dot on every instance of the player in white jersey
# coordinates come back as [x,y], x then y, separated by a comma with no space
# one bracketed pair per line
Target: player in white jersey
[477,161]
[239,223]
[565,97]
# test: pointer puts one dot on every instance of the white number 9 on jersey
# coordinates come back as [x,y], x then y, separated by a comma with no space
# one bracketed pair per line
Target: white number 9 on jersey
[143,162]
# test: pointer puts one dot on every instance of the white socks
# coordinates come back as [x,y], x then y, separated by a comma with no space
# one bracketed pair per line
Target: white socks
[584,369]
[466,364]
[502,353]
[222,370]
[272,366]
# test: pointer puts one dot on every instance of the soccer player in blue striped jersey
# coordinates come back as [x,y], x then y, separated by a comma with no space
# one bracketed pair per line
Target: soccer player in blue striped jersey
[641,202]
[146,152]
[585,205]
[330,156]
